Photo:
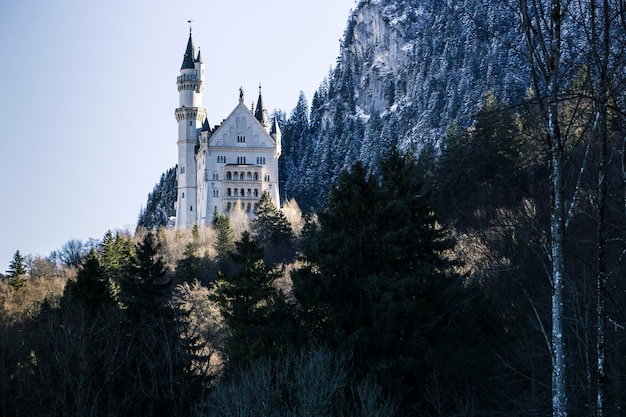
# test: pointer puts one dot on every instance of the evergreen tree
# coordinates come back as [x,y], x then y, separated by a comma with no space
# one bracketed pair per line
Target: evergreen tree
[116,256]
[225,241]
[376,280]
[189,268]
[145,289]
[17,271]
[252,307]
[270,224]
[92,287]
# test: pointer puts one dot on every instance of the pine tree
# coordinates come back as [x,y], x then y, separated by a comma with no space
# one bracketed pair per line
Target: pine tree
[225,241]
[17,271]
[373,279]
[252,307]
[92,287]
[116,255]
[144,290]
[270,224]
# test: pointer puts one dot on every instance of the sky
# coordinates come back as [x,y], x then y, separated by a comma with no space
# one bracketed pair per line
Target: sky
[88,92]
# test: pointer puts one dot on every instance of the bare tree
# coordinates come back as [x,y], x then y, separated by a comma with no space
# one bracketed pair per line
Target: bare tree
[542,22]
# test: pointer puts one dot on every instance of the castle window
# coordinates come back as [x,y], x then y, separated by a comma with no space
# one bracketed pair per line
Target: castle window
[260,160]
[248,208]
[183,195]
[241,176]
[241,139]
[182,169]
[249,192]
[221,159]
[216,176]
[229,192]
[256,207]
[228,207]
[249,176]
[256,176]
[229,176]
[235,175]
[243,192]
[236,191]
[256,193]
[190,208]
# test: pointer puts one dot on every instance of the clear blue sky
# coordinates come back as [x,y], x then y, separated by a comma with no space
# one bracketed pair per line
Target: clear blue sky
[88,92]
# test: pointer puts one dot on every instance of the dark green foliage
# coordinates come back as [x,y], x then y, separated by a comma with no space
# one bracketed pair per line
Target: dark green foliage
[481,168]
[270,224]
[145,288]
[17,271]
[116,256]
[92,287]
[225,241]
[378,283]
[189,268]
[253,309]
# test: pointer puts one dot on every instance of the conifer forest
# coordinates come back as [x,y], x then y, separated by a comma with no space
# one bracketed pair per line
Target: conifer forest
[451,243]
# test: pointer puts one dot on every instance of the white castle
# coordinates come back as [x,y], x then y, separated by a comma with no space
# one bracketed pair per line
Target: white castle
[227,166]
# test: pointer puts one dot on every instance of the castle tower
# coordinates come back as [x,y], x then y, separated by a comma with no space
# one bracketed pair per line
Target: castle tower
[190,115]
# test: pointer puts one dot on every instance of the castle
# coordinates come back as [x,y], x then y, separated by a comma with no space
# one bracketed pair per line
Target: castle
[225,167]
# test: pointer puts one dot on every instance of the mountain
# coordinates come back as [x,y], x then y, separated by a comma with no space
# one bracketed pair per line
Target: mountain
[408,70]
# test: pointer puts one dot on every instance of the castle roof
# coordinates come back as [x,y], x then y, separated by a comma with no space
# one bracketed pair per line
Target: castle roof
[205,125]
[276,127]
[260,113]
[188,60]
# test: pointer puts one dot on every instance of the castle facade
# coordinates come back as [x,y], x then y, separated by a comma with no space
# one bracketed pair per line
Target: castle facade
[225,167]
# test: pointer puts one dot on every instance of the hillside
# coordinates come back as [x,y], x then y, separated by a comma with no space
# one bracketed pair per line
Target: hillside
[407,72]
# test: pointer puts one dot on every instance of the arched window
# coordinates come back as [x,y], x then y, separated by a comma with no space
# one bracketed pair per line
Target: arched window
[229,192]
[229,176]
[235,175]
[256,176]
[241,176]
[256,192]
[249,176]
[248,208]
[249,194]
[256,207]
[236,192]
[243,192]
[228,207]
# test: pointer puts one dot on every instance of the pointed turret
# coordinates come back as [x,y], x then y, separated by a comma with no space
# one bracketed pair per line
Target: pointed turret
[188,60]
[277,136]
[260,113]
[205,125]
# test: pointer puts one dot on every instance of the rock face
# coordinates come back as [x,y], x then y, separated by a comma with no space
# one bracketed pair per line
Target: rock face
[408,70]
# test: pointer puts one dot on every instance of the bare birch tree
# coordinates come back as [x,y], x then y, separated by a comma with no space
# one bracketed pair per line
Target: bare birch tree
[542,23]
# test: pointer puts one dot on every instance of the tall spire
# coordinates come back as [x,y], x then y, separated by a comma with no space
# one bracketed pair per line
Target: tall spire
[261,113]
[188,60]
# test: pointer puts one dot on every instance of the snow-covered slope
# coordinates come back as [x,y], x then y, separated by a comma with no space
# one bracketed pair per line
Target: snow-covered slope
[407,71]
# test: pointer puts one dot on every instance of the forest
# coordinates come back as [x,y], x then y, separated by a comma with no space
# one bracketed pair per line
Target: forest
[478,275]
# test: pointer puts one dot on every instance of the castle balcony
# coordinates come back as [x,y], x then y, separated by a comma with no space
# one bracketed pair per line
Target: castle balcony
[242,172]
